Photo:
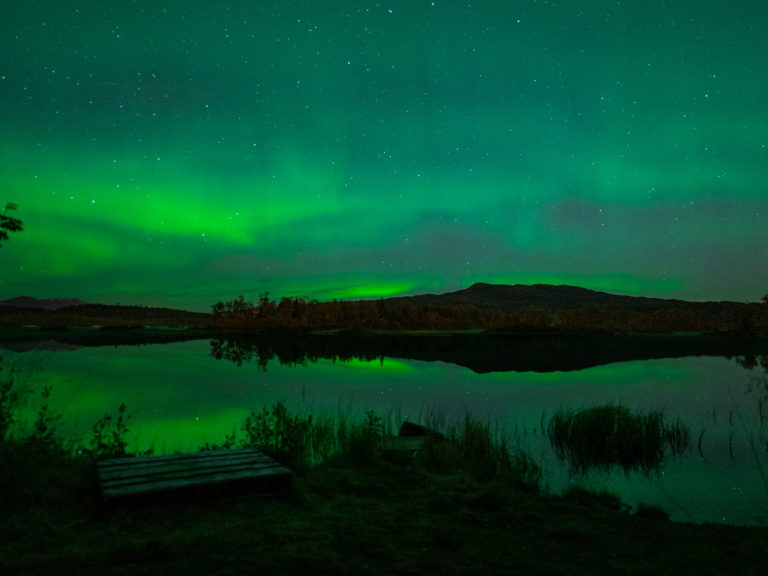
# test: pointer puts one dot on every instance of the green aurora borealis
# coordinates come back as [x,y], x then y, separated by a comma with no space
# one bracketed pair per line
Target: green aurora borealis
[179,153]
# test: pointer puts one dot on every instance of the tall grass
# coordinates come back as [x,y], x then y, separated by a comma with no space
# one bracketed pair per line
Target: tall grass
[611,435]
[301,442]
[468,446]
[475,448]
[759,387]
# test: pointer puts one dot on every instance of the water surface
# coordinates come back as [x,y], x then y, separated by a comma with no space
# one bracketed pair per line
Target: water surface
[180,397]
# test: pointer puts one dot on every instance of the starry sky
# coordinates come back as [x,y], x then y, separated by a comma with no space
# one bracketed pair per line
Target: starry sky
[178,153]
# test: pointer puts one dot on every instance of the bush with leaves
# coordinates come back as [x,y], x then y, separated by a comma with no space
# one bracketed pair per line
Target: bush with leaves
[230,441]
[45,423]
[278,434]
[11,399]
[109,441]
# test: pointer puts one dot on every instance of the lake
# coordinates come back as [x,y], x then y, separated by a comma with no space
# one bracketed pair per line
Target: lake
[182,395]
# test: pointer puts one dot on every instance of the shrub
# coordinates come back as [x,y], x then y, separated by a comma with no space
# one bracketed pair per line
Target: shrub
[109,441]
[278,434]
[45,423]
[11,399]
[230,441]
[36,467]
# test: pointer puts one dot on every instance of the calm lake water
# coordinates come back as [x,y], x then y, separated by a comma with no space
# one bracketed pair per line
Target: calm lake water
[180,397]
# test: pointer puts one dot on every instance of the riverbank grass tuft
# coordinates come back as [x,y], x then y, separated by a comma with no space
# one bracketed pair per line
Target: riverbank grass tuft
[610,435]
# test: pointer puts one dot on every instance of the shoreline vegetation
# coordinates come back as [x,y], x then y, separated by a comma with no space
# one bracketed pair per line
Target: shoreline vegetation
[485,328]
[469,501]
[481,307]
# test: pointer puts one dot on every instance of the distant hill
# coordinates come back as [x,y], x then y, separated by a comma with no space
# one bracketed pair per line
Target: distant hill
[505,296]
[69,312]
[42,304]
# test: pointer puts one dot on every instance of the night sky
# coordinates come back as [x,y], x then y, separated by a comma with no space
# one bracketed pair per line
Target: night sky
[180,153]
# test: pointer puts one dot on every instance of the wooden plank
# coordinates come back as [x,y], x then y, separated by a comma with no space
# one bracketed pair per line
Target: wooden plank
[179,461]
[134,476]
[127,476]
[171,457]
[150,466]
[179,482]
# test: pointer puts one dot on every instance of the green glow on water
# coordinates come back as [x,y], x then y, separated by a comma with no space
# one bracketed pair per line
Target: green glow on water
[381,366]
[610,375]
[179,399]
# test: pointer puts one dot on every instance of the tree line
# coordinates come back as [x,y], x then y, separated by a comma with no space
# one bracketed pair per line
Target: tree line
[301,314]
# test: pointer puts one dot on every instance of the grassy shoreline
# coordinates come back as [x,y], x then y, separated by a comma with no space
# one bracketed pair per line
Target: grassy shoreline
[465,504]
[376,518]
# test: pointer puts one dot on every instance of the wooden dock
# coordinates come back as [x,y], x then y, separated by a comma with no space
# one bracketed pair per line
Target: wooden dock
[124,477]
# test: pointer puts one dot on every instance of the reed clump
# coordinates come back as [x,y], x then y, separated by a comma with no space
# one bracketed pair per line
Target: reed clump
[473,447]
[611,435]
[301,442]
[469,446]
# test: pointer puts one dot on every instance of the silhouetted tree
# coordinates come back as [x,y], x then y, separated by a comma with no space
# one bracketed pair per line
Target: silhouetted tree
[8,224]
[265,307]
[218,309]
[240,306]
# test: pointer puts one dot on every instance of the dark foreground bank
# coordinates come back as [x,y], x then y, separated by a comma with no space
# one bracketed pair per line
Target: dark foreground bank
[381,518]
[465,502]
